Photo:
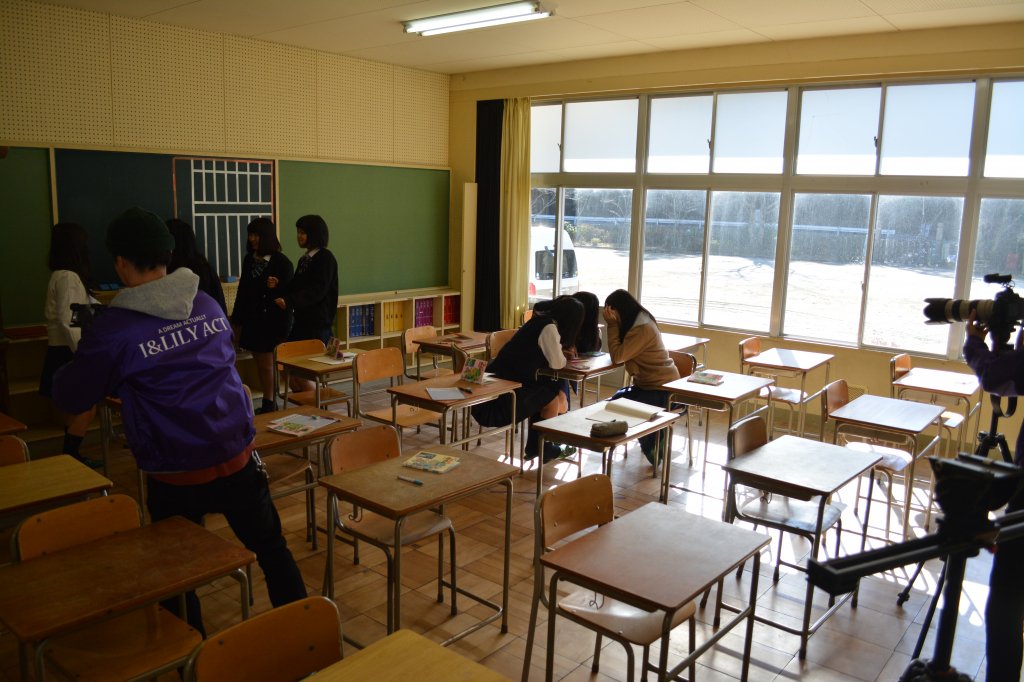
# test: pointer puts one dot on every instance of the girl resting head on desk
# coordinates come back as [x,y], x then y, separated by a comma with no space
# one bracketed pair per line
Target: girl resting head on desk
[541,342]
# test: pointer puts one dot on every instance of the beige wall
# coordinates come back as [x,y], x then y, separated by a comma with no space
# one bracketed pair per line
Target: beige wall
[976,50]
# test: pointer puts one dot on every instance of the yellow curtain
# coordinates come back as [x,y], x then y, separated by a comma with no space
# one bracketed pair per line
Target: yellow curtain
[514,224]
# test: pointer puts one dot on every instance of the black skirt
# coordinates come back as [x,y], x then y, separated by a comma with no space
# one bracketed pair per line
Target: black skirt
[56,357]
[530,400]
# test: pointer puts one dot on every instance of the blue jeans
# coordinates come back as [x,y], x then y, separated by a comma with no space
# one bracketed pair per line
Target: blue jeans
[649,396]
[244,499]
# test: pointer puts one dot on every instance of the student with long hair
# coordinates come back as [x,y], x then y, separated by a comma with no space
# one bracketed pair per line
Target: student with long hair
[186,254]
[69,284]
[260,324]
[589,339]
[634,339]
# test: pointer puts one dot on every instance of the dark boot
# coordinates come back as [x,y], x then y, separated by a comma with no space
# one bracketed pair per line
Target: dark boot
[267,406]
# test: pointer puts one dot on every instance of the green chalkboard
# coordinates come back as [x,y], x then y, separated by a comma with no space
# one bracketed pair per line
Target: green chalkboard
[24,234]
[388,226]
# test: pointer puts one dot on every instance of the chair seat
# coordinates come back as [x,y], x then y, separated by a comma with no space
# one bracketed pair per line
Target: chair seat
[435,372]
[952,420]
[327,396]
[286,469]
[125,647]
[636,625]
[794,396]
[792,514]
[893,459]
[378,530]
[405,416]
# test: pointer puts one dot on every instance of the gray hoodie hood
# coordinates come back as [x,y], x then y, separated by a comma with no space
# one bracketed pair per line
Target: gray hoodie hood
[169,297]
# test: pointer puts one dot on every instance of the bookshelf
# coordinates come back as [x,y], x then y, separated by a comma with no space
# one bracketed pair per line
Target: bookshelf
[378,320]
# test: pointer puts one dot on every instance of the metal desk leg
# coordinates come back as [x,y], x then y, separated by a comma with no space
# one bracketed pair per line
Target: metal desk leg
[328,587]
[506,570]
[395,618]
[815,545]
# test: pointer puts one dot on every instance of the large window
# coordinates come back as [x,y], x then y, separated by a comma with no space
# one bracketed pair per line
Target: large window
[825,212]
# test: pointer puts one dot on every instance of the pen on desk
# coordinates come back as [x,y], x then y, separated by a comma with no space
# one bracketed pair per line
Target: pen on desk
[414,481]
[465,390]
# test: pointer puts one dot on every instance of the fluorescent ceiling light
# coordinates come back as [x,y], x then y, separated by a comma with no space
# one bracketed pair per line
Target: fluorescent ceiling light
[496,15]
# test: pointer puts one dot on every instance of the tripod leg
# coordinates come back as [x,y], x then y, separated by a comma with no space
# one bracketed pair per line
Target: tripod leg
[931,607]
[903,596]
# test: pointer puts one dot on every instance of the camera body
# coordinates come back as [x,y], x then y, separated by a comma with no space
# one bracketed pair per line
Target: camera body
[1002,314]
[82,314]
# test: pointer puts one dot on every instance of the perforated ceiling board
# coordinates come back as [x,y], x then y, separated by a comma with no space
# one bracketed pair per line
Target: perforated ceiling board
[269,98]
[54,75]
[168,86]
[355,109]
[421,117]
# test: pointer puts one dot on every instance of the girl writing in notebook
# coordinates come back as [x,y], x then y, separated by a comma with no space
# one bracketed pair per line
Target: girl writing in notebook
[635,340]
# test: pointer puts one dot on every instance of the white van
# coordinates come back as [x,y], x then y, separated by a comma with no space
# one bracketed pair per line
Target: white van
[542,264]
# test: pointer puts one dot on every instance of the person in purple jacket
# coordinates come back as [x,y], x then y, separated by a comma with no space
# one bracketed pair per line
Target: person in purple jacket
[1004,613]
[166,349]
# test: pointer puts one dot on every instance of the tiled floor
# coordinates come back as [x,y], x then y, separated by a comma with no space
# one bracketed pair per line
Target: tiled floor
[871,642]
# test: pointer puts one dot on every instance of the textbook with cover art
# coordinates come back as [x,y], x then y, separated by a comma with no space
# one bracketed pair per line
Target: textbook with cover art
[709,378]
[299,424]
[434,462]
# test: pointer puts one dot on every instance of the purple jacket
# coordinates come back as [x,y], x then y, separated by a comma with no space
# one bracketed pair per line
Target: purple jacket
[1002,375]
[167,352]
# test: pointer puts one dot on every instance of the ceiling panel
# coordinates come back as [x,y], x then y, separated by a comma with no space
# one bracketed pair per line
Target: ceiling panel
[816,29]
[659,21]
[957,17]
[755,13]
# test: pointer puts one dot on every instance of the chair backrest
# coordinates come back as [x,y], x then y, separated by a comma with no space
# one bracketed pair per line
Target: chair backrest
[290,349]
[412,334]
[379,363]
[746,435]
[13,450]
[286,643]
[899,365]
[356,449]
[459,358]
[749,348]
[75,524]
[833,396]
[685,363]
[496,340]
[569,508]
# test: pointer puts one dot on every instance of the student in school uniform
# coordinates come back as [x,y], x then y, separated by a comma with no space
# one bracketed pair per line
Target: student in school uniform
[69,284]
[541,342]
[635,340]
[260,325]
[187,255]
[589,339]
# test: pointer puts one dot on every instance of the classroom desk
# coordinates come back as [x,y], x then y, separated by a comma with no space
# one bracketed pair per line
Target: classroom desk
[320,373]
[38,483]
[471,342]
[580,370]
[9,425]
[687,344]
[416,394]
[733,391]
[802,469]
[376,487]
[66,590]
[904,419]
[404,656]
[573,428]
[658,558]
[935,382]
[785,362]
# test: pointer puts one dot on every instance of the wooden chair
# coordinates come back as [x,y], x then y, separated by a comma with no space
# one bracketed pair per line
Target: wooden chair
[356,449]
[386,364]
[775,511]
[686,364]
[792,398]
[287,643]
[895,461]
[409,347]
[13,450]
[139,645]
[571,508]
[496,340]
[900,365]
[328,395]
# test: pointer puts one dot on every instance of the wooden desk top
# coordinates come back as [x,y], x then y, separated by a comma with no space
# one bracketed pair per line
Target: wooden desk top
[686,554]
[310,365]
[893,414]
[682,342]
[51,479]
[583,369]
[574,426]
[377,488]
[939,381]
[465,340]
[267,440]
[416,392]
[736,387]
[76,586]
[793,360]
[405,656]
[800,468]
[9,425]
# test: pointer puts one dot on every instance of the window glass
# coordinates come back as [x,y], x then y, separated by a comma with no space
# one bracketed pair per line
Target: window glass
[913,257]
[927,129]
[1000,245]
[826,267]
[545,138]
[680,134]
[541,261]
[741,259]
[600,137]
[750,128]
[1005,157]
[597,222]
[837,131]
[673,252]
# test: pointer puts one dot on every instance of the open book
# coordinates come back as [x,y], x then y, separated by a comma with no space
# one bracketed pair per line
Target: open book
[299,424]
[342,359]
[630,411]
[432,461]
